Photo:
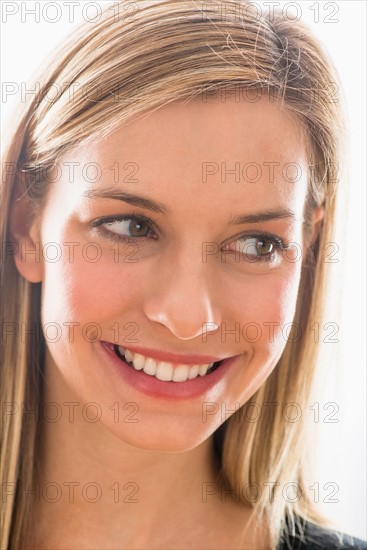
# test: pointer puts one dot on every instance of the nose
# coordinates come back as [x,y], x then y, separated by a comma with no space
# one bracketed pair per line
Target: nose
[183,300]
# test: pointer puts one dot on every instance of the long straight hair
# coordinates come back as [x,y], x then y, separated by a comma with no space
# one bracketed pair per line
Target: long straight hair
[124,65]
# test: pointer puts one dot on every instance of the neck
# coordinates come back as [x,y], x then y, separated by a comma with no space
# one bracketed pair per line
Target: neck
[104,489]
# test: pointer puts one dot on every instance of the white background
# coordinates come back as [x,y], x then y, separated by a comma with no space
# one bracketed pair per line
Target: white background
[340,450]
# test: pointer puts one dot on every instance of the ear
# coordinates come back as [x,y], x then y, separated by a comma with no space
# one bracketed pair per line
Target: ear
[25,238]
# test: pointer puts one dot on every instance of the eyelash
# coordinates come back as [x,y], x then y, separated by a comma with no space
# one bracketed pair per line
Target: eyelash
[278,243]
[115,236]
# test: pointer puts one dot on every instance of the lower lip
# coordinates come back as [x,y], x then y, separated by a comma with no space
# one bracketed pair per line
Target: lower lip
[150,385]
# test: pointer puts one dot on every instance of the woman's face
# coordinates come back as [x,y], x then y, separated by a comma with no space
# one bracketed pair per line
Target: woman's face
[218,192]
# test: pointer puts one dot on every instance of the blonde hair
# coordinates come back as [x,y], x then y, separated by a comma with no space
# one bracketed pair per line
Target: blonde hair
[167,51]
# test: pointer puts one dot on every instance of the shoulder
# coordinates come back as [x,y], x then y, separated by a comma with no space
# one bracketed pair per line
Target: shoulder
[315,537]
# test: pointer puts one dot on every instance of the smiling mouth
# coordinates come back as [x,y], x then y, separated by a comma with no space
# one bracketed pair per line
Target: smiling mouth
[162,370]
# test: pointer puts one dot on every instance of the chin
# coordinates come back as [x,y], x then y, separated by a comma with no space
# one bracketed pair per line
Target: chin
[167,438]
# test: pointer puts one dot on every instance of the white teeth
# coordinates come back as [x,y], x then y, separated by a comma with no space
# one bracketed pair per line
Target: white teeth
[194,371]
[128,355]
[163,370]
[139,360]
[150,366]
[122,350]
[203,369]
[181,373]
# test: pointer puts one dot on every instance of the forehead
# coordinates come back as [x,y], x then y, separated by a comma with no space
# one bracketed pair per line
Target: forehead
[230,149]
[243,129]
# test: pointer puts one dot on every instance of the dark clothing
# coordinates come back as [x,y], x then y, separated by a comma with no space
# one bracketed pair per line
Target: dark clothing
[316,537]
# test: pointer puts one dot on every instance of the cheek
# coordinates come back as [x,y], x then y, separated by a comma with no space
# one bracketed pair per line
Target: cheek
[263,308]
[81,290]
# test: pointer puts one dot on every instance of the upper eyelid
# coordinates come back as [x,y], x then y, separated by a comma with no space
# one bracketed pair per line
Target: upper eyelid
[137,216]
[277,239]
[279,242]
[122,217]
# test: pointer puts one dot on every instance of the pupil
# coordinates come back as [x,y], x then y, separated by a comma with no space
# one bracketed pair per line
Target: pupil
[135,227]
[264,247]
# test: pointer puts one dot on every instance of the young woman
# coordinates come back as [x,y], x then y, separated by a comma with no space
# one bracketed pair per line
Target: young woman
[167,197]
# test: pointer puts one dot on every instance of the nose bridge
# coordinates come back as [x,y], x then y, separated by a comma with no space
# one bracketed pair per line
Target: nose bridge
[183,298]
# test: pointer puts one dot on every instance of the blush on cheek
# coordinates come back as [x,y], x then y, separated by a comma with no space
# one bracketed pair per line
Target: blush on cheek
[82,292]
[271,311]
[284,308]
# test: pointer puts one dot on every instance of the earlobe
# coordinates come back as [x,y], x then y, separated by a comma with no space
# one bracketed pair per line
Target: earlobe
[25,240]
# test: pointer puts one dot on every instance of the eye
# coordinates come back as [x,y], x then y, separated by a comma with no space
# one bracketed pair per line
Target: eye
[256,248]
[129,227]
[125,227]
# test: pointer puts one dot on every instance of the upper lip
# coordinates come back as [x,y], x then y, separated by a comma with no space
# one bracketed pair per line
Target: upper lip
[186,359]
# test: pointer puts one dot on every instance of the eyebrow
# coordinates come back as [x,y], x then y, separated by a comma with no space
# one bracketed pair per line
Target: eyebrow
[259,217]
[124,196]
[155,206]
